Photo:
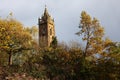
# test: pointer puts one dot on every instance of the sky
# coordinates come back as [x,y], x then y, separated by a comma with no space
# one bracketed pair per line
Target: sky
[66,14]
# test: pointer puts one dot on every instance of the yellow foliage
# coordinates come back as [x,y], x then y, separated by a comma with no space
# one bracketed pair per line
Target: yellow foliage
[93,34]
[12,34]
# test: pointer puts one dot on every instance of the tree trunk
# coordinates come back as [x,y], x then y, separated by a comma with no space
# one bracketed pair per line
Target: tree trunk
[10,59]
[85,52]
[87,45]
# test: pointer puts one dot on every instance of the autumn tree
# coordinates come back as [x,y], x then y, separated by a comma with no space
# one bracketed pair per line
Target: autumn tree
[92,33]
[107,62]
[61,63]
[13,37]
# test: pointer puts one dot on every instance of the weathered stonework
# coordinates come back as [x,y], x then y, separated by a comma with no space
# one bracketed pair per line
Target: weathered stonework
[46,29]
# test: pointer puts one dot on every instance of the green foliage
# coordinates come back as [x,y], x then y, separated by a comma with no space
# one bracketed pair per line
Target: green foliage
[64,64]
[54,42]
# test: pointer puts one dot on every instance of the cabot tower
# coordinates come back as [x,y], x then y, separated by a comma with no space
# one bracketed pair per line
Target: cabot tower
[46,29]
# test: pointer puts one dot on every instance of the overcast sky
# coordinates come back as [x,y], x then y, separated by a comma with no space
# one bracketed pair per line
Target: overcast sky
[66,14]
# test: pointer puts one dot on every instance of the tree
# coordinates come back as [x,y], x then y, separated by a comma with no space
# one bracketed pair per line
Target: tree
[54,42]
[13,37]
[92,33]
[61,63]
[33,31]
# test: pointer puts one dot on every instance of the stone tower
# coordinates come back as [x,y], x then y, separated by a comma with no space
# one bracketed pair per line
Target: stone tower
[46,29]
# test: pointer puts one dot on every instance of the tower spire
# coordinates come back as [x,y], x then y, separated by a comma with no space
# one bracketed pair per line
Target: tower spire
[46,11]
